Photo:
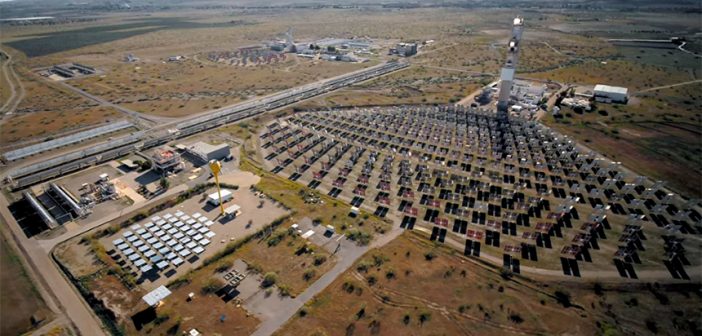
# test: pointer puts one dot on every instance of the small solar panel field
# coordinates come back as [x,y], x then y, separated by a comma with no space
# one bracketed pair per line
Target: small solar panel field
[161,245]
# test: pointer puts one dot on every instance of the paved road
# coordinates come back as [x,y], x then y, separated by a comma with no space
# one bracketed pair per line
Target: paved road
[276,318]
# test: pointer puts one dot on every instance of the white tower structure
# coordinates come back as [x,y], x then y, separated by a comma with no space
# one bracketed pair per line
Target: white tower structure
[507,74]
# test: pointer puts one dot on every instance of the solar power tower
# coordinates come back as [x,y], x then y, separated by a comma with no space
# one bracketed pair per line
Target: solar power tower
[507,74]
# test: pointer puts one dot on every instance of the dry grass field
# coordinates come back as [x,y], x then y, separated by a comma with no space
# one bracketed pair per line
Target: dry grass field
[20,300]
[176,89]
[414,287]
[619,73]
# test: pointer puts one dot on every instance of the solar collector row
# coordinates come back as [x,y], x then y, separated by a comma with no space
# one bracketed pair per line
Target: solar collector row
[64,141]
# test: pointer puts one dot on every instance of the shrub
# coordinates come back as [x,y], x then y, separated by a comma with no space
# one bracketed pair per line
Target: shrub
[269,279]
[277,237]
[360,237]
[283,290]
[372,280]
[319,259]
[563,298]
[652,326]
[429,255]
[390,274]
[514,317]
[224,266]
[379,260]
[309,274]
[212,285]
[364,265]
[424,317]
[161,317]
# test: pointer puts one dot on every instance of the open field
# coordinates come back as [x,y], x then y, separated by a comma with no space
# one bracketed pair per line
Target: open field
[48,109]
[412,286]
[20,300]
[176,89]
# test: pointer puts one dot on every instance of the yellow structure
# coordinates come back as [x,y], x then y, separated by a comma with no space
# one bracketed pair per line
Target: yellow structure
[216,168]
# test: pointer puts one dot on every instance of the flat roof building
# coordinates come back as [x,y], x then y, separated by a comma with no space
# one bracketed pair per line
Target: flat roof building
[611,94]
[207,152]
[214,199]
[165,159]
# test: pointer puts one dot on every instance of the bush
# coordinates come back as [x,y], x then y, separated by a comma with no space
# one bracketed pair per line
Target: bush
[360,237]
[283,290]
[372,280]
[364,265]
[145,165]
[514,317]
[269,279]
[429,256]
[379,260]
[224,266]
[563,298]
[319,259]
[212,285]
[652,326]
[277,237]
[309,274]
[424,317]
[302,312]
[390,274]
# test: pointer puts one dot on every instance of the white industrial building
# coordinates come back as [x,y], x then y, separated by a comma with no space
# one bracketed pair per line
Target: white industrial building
[610,94]
[207,152]
[214,199]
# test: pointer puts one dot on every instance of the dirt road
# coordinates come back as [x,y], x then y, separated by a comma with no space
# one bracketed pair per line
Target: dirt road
[279,316]
[16,88]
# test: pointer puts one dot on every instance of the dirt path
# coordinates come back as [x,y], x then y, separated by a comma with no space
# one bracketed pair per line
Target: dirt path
[287,310]
[16,88]
[669,86]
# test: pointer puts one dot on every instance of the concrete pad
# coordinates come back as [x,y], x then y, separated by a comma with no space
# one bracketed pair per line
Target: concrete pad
[243,179]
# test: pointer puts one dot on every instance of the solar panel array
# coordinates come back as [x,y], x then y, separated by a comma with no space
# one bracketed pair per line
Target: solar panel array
[64,141]
[166,241]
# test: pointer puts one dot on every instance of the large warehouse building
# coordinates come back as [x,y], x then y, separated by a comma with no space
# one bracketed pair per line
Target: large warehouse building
[207,152]
[610,94]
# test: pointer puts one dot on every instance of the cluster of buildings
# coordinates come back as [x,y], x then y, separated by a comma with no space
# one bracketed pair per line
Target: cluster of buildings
[68,71]
[404,49]
[336,49]
[167,159]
